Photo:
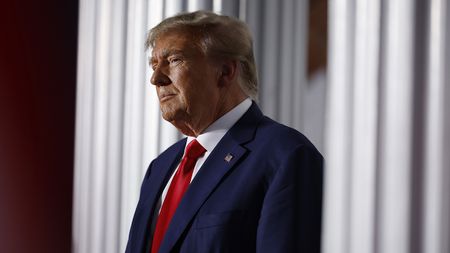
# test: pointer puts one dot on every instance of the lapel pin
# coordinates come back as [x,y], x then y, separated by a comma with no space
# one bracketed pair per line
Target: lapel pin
[228,157]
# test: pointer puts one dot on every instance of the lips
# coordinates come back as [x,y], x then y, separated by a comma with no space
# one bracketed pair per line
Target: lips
[165,96]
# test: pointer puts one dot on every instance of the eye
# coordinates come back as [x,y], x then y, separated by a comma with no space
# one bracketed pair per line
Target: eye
[174,60]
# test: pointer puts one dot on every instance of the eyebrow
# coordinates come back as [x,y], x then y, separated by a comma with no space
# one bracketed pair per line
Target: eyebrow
[166,53]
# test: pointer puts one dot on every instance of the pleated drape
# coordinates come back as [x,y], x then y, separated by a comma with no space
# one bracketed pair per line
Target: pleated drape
[387,127]
[119,129]
[387,134]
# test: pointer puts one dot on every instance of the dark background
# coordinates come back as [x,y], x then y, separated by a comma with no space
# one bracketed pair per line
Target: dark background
[38,49]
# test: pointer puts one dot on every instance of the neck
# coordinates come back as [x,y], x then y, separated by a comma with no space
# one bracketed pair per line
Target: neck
[195,127]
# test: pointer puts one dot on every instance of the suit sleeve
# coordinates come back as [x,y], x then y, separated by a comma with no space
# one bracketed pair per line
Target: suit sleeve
[132,237]
[291,216]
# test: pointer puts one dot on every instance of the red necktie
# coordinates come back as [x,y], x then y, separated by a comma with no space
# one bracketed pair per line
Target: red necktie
[177,188]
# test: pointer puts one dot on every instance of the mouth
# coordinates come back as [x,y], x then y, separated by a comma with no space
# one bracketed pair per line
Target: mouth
[166,97]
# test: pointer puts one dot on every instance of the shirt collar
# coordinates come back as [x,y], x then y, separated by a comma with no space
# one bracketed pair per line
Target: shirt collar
[214,133]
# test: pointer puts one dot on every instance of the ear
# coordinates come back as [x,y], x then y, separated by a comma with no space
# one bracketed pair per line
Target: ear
[228,72]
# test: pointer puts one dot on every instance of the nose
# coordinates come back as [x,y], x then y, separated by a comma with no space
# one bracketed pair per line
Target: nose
[159,78]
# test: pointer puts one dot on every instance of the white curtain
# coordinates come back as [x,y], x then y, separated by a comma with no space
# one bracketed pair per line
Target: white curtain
[388,127]
[118,125]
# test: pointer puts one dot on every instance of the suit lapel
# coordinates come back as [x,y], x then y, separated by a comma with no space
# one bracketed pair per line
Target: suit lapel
[159,176]
[213,170]
[162,173]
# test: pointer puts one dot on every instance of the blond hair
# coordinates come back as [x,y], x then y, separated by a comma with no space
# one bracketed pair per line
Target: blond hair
[218,36]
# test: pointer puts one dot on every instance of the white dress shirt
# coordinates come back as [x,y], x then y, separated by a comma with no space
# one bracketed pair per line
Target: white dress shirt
[211,137]
[209,140]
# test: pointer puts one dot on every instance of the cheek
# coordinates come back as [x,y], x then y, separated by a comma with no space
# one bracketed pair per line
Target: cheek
[179,78]
[184,83]
[194,86]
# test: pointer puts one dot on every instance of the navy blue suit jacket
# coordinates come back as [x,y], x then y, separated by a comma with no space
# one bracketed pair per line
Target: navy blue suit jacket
[267,198]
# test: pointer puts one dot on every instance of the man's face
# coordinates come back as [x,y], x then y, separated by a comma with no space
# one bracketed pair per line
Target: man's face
[186,80]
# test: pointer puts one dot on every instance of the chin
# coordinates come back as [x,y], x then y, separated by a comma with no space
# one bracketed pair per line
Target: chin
[171,115]
[167,116]
[167,112]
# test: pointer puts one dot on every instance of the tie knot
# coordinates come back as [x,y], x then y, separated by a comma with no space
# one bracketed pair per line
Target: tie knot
[194,150]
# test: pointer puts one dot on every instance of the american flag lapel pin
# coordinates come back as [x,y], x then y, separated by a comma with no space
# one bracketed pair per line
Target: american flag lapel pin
[228,157]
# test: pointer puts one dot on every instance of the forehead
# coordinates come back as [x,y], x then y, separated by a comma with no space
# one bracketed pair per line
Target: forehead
[175,42]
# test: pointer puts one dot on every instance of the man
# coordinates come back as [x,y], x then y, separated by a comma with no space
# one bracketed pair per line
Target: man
[240,182]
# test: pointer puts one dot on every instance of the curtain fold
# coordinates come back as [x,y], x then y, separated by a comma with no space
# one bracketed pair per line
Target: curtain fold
[387,127]
[119,128]
[437,159]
